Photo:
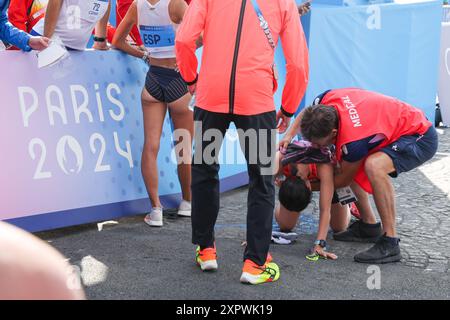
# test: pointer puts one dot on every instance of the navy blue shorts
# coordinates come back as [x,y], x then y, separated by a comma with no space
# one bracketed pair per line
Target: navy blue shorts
[164,84]
[409,152]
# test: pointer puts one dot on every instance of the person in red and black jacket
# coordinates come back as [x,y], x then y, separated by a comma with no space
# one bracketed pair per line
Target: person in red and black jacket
[122,7]
[24,14]
[13,36]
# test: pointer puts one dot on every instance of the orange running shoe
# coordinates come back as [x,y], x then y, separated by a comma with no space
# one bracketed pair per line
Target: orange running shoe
[207,258]
[254,274]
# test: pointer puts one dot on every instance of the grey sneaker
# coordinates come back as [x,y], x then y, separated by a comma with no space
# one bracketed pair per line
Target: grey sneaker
[185,209]
[359,231]
[382,252]
[155,217]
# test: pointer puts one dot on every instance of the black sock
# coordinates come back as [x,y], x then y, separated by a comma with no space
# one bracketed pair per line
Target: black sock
[371,225]
[392,241]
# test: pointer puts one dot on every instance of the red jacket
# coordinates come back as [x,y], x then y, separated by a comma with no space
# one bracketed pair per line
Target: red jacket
[363,114]
[24,14]
[236,74]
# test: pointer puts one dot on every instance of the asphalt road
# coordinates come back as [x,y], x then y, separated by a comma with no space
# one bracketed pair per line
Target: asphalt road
[129,260]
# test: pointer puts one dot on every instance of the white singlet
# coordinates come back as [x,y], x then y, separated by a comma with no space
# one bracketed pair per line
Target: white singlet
[156,28]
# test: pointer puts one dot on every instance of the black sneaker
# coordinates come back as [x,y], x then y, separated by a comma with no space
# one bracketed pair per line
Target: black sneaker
[384,251]
[359,231]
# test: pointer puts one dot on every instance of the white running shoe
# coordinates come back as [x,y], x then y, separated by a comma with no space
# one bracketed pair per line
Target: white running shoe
[185,209]
[155,217]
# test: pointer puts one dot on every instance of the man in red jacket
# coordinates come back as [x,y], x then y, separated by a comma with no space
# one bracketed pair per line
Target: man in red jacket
[376,136]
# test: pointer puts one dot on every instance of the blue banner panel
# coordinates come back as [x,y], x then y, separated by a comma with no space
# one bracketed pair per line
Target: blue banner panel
[72,138]
[386,47]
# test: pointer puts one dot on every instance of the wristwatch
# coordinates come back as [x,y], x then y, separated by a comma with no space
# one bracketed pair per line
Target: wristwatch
[99,39]
[321,243]
[146,57]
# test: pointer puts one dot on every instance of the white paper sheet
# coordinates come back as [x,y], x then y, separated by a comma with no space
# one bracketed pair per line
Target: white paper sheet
[52,55]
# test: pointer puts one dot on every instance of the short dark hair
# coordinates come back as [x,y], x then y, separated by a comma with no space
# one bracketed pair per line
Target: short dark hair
[294,195]
[318,121]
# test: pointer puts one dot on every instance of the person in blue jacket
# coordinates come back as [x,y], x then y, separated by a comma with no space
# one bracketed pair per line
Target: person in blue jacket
[16,37]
